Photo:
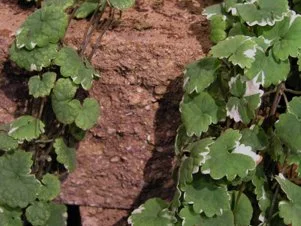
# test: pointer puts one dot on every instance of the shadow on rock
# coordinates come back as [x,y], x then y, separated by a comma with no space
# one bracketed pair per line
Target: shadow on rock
[158,172]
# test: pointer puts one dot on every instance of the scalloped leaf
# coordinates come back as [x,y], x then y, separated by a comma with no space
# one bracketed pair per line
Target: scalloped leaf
[239,49]
[50,188]
[41,86]
[200,74]
[33,60]
[270,70]
[72,65]
[289,123]
[191,218]
[254,137]
[64,106]
[44,26]
[88,114]
[10,217]
[65,155]
[58,215]
[290,210]
[26,128]
[86,8]
[263,12]
[153,212]
[122,4]
[38,213]
[63,4]
[18,187]
[198,112]
[285,37]
[7,143]
[229,158]
[207,197]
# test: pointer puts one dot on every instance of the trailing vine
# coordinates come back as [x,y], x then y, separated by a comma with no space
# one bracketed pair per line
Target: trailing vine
[38,148]
[239,146]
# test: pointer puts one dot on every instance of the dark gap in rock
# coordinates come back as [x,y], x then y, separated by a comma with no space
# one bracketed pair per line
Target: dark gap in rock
[74,218]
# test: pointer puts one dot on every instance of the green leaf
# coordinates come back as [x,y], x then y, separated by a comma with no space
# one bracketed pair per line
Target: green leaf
[263,196]
[18,187]
[63,4]
[263,12]
[201,74]
[153,212]
[122,4]
[58,215]
[50,188]
[65,155]
[86,9]
[10,217]
[26,128]
[240,29]
[289,123]
[182,139]
[185,172]
[228,157]
[33,60]
[285,37]
[207,197]
[44,26]
[38,213]
[198,112]
[237,86]
[88,115]
[73,66]
[244,210]
[254,137]
[76,132]
[218,26]
[239,49]
[199,151]
[64,106]
[290,210]
[213,10]
[7,143]
[41,87]
[270,70]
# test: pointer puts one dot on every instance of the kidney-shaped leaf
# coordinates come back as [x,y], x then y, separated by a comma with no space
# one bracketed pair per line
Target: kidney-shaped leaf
[44,26]
[26,128]
[41,86]
[227,157]
[7,143]
[65,155]
[152,212]
[50,188]
[38,213]
[87,116]
[18,187]
[10,217]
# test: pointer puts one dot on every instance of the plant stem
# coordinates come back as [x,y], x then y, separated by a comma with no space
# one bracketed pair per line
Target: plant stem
[273,204]
[270,92]
[295,92]
[241,189]
[279,92]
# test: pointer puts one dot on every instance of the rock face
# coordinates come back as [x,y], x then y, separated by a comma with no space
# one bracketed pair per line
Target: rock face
[128,157]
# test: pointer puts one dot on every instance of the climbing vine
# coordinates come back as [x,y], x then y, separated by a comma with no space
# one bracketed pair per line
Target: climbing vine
[238,148]
[38,148]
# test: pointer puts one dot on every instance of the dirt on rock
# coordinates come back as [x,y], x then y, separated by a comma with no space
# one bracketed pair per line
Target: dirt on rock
[128,156]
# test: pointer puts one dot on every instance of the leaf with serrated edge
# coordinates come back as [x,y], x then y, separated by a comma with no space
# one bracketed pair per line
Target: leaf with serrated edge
[290,210]
[18,187]
[263,12]
[198,112]
[58,215]
[239,49]
[229,158]
[26,128]
[267,68]
[41,86]
[38,213]
[72,65]
[285,37]
[44,26]
[207,197]
[88,114]
[50,188]
[10,217]
[199,75]
[33,60]
[65,155]
[153,212]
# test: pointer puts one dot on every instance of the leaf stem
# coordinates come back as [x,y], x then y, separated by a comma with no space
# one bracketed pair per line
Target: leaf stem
[295,92]
[277,98]
[273,204]
[241,189]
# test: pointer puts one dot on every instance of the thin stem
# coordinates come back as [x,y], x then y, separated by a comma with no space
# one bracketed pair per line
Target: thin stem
[277,98]
[273,204]
[270,92]
[285,99]
[295,92]
[241,189]
[42,104]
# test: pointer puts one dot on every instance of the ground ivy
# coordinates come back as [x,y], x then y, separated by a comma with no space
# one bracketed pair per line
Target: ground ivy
[238,148]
